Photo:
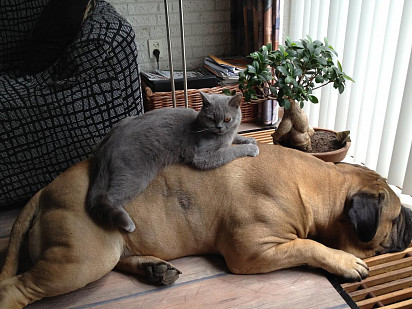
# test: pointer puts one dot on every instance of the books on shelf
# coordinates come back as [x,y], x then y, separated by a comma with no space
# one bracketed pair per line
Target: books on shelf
[159,81]
[226,69]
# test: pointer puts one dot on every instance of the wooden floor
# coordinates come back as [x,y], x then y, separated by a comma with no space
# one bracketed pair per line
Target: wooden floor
[205,283]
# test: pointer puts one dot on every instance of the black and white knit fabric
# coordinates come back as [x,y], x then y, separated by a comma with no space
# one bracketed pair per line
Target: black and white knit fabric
[53,119]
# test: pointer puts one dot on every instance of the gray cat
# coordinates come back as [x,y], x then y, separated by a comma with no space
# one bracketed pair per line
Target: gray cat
[137,148]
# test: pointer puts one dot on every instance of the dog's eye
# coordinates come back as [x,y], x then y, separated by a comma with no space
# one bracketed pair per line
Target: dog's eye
[227,119]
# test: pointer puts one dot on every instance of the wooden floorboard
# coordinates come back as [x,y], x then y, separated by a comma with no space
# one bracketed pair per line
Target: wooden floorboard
[205,283]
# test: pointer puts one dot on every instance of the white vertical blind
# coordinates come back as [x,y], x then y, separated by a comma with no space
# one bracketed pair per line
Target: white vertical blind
[374,40]
[382,92]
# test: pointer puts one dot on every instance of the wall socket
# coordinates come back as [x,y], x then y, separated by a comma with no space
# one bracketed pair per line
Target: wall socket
[155,44]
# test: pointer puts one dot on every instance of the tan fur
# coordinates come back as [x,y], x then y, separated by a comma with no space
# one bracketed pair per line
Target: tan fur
[257,212]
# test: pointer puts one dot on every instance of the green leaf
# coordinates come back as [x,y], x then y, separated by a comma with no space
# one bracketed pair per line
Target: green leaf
[233,92]
[319,79]
[313,99]
[251,69]
[339,66]
[282,70]
[226,91]
[256,65]
[348,78]
[341,88]
[289,79]
[297,72]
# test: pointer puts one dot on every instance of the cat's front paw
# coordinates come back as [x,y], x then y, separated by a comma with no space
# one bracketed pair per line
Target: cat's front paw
[250,140]
[253,150]
[244,140]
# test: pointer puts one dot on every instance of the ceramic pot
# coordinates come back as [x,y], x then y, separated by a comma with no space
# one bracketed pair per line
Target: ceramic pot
[332,156]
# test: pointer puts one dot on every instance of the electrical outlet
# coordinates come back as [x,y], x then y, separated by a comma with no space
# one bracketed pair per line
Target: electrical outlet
[155,44]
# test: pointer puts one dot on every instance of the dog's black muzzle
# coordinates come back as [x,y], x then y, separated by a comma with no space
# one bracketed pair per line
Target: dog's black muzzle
[402,231]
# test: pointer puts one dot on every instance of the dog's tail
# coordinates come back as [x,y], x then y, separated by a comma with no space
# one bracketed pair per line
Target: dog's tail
[97,203]
[18,235]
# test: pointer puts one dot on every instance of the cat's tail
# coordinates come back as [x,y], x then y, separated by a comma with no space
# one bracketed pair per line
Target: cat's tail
[97,203]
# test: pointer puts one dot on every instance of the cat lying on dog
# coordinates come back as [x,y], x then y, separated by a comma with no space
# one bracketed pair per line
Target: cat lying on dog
[280,209]
[138,147]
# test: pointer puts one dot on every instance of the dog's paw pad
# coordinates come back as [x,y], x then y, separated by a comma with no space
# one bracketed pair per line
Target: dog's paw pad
[162,273]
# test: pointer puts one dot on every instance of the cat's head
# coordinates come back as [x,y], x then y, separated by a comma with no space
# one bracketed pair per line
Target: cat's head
[220,113]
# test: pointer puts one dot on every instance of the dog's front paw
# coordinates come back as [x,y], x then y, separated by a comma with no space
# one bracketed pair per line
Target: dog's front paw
[351,268]
[162,273]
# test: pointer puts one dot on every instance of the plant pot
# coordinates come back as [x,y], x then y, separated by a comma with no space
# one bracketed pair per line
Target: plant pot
[332,156]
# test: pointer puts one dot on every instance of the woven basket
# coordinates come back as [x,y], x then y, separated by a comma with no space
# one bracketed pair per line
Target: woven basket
[154,100]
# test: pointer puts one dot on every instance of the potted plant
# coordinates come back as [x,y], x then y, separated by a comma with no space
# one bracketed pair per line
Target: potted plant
[290,75]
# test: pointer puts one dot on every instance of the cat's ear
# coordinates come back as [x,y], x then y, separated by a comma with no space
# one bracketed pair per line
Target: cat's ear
[235,100]
[205,98]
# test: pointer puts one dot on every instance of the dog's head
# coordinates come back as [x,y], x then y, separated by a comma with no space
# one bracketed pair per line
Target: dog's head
[377,218]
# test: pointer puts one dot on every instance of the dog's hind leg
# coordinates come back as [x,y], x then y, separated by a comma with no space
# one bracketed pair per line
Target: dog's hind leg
[60,269]
[154,269]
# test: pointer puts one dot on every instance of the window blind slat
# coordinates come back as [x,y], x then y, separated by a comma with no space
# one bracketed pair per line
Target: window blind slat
[407,184]
[313,31]
[372,73]
[348,62]
[338,43]
[322,33]
[397,86]
[363,40]
[403,136]
[382,91]
[296,19]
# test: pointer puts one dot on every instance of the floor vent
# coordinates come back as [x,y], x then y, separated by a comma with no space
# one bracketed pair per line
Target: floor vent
[389,284]
[263,136]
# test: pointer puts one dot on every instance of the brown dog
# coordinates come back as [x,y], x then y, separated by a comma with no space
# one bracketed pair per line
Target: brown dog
[280,209]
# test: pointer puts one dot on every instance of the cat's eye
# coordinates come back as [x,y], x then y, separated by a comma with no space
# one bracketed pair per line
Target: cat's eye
[227,119]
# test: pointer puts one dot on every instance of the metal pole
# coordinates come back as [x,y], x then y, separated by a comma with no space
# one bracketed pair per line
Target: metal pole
[169,46]
[182,35]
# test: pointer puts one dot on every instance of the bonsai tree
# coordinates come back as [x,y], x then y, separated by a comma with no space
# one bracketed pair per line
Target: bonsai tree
[290,75]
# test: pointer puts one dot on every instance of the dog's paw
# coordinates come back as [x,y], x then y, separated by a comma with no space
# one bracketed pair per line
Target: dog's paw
[162,273]
[351,268]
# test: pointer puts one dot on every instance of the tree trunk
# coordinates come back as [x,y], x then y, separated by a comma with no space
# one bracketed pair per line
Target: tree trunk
[294,130]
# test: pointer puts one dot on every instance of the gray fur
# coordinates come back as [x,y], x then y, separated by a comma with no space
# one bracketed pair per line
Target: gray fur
[137,148]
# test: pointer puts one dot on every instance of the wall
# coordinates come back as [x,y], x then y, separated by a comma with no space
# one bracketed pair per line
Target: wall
[207,29]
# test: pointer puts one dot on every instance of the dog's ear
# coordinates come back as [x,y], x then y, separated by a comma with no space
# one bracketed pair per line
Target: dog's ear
[364,213]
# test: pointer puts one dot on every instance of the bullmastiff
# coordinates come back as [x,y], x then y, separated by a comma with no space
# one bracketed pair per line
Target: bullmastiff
[281,209]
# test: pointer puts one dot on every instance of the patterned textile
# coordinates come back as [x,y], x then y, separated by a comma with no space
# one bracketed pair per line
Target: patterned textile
[53,119]
[17,19]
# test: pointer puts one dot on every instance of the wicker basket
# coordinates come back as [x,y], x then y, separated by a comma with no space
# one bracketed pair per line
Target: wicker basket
[154,100]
